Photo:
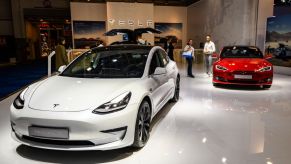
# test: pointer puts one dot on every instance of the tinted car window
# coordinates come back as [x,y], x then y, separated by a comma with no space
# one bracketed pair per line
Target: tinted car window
[164,57]
[109,64]
[241,52]
[154,63]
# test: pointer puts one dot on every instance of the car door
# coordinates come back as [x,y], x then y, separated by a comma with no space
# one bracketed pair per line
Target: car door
[158,82]
[170,67]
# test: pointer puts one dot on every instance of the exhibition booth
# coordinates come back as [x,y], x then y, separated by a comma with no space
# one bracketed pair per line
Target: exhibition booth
[129,103]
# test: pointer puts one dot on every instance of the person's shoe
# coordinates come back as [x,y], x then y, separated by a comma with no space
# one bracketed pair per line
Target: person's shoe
[192,76]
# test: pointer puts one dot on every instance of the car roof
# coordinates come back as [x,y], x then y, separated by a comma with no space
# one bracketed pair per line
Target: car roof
[123,47]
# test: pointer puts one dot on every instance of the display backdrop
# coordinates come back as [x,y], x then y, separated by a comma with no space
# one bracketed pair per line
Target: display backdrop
[130,16]
[278,40]
[170,31]
[87,33]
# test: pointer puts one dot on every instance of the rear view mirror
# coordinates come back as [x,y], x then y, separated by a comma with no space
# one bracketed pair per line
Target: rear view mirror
[268,56]
[215,55]
[62,68]
[160,71]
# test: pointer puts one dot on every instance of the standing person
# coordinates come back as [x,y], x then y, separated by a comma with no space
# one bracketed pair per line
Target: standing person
[209,49]
[171,51]
[189,59]
[61,55]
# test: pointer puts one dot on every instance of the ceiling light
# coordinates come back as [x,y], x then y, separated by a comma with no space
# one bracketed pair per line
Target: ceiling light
[269,162]
[223,160]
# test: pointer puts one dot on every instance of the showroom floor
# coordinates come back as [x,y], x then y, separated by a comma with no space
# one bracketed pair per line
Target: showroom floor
[208,125]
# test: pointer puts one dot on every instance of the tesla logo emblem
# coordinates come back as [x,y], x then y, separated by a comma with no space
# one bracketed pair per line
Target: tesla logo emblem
[55,105]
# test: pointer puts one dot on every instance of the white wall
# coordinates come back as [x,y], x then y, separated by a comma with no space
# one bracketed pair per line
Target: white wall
[228,21]
[170,14]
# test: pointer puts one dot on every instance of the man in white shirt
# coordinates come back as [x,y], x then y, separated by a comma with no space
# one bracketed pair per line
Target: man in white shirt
[209,49]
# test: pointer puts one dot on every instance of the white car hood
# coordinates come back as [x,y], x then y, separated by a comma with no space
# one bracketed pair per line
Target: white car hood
[67,94]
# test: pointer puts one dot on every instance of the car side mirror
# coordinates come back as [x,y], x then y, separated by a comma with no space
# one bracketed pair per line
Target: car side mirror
[268,56]
[62,68]
[160,71]
[215,55]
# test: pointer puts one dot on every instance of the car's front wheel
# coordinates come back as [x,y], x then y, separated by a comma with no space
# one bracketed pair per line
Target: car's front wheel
[142,126]
[177,90]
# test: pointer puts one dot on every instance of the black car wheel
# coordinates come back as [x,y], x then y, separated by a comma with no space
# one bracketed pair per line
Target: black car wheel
[142,127]
[177,90]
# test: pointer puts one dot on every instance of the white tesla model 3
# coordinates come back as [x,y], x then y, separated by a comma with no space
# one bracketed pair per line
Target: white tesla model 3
[105,99]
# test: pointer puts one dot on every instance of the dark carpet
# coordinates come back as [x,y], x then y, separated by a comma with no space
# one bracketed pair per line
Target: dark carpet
[14,78]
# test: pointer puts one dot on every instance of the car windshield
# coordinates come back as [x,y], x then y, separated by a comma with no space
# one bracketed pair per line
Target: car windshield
[108,64]
[241,52]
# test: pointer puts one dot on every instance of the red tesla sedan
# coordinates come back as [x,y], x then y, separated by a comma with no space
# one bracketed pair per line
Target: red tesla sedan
[242,65]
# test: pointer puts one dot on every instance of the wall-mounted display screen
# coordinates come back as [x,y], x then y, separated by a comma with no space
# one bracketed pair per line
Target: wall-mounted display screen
[88,33]
[170,31]
[278,40]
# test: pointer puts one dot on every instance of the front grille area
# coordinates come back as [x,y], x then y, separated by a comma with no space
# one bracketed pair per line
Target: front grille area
[57,142]
[243,81]
[243,72]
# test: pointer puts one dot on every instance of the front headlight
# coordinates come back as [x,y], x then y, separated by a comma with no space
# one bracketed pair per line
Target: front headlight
[221,68]
[18,103]
[118,103]
[264,69]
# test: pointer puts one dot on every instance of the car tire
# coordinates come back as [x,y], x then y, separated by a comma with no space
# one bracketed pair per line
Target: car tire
[142,125]
[267,86]
[177,90]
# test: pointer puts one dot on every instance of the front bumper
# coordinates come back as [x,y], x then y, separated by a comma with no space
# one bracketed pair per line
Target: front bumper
[258,78]
[87,131]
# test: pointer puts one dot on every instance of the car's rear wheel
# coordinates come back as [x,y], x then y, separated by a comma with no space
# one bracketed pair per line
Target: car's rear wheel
[177,90]
[142,126]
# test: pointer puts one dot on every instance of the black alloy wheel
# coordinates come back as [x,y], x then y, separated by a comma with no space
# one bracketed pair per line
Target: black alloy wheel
[142,127]
[177,90]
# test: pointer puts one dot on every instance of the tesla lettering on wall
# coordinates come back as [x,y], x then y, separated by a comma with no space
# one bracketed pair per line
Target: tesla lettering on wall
[148,23]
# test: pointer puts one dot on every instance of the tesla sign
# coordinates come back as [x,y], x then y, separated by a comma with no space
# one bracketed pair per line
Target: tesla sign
[139,23]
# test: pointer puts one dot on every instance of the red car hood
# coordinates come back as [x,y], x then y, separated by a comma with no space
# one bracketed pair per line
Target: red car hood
[243,64]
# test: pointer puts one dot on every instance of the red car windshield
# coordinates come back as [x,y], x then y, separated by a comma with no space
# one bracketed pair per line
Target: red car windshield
[241,52]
